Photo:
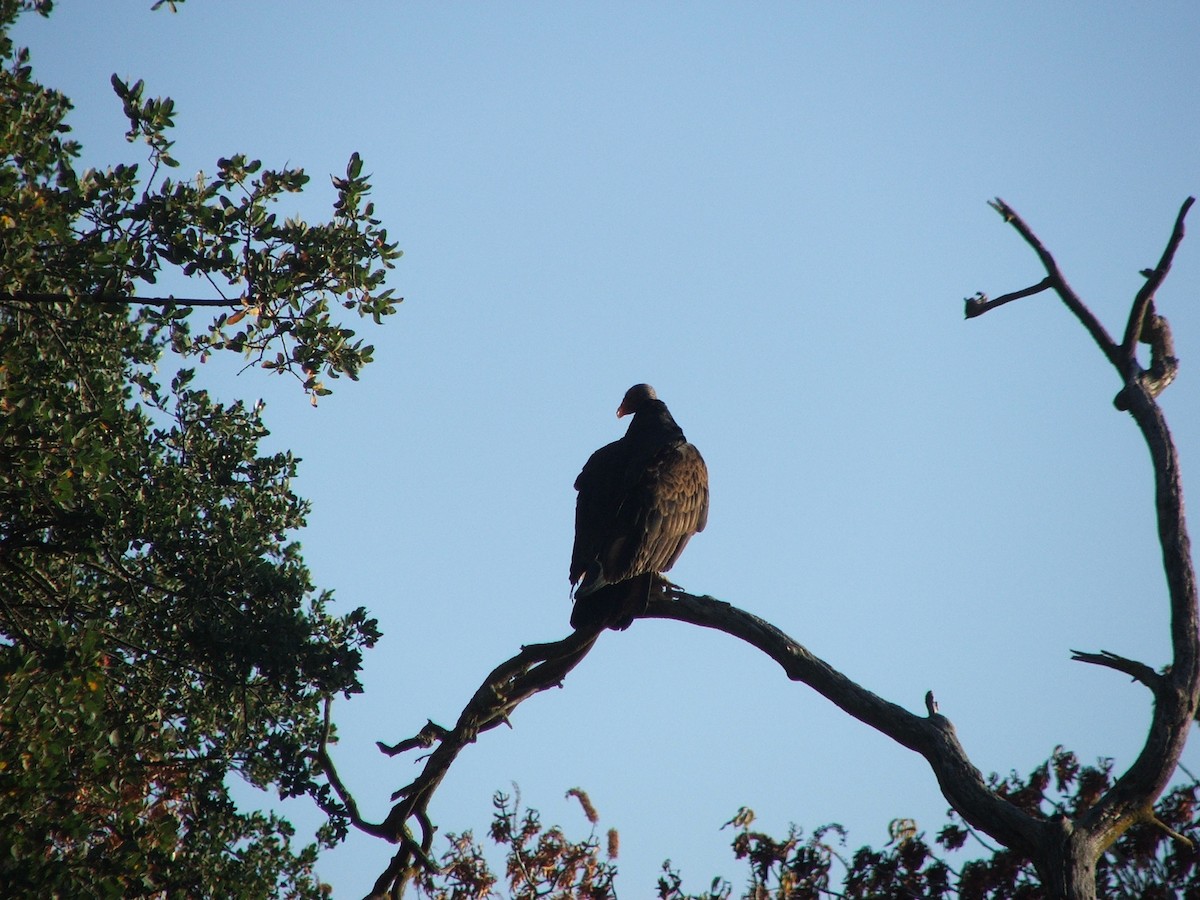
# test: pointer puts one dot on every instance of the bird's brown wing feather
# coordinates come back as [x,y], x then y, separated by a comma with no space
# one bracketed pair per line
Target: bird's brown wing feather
[664,508]
[600,494]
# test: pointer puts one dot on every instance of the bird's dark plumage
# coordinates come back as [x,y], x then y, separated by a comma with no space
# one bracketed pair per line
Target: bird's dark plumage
[640,500]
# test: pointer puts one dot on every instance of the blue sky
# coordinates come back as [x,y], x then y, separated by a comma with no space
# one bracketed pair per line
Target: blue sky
[772,213]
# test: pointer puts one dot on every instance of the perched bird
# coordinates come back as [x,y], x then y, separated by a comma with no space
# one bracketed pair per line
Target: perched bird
[640,500]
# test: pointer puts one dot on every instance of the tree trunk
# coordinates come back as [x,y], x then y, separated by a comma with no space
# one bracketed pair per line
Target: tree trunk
[1067,861]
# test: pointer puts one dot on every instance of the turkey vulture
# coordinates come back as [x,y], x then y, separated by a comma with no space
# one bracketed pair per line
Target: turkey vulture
[640,499]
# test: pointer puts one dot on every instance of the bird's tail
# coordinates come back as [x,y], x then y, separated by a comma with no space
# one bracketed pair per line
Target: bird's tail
[611,605]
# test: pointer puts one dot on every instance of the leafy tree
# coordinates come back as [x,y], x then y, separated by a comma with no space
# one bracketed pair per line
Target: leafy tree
[159,631]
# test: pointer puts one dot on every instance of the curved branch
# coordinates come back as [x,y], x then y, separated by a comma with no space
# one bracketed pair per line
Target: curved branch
[933,735]
[535,668]
[1176,700]
[540,666]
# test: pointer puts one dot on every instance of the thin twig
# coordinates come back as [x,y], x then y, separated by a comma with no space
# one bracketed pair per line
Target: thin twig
[325,761]
[35,297]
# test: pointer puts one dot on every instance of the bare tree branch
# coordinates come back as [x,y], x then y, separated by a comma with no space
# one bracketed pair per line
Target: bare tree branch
[535,668]
[933,735]
[426,737]
[325,761]
[1170,832]
[1163,365]
[1070,868]
[1144,301]
[1059,282]
[33,297]
[1138,671]
[980,303]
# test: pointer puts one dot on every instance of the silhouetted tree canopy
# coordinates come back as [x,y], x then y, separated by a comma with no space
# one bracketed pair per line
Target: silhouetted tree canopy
[159,630]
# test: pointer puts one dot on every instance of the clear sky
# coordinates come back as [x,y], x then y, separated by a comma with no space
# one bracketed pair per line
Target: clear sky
[772,213]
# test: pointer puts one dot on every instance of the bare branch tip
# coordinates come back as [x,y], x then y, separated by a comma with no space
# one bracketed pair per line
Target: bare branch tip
[1137,671]
[931,705]
[976,305]
[1003,208]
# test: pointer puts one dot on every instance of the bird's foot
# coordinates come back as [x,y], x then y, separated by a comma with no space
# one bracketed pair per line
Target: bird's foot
[667,588]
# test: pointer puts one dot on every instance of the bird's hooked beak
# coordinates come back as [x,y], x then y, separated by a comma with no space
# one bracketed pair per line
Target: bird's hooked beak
[622,411]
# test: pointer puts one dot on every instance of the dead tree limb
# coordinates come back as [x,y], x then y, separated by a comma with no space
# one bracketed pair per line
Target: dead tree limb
[1138,671]
[980,303]
[931,735]
[1068,866]
[1063,849]
[535,668]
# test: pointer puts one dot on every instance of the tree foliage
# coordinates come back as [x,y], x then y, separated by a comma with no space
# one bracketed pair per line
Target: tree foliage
[1149,862]
[159,630]
[540,861]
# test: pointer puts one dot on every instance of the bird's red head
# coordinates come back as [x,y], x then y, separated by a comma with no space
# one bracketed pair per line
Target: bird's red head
[634,398]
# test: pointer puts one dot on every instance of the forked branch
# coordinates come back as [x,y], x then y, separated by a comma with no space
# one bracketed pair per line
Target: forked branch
[1177,691]
[535,668]
[1056,281]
